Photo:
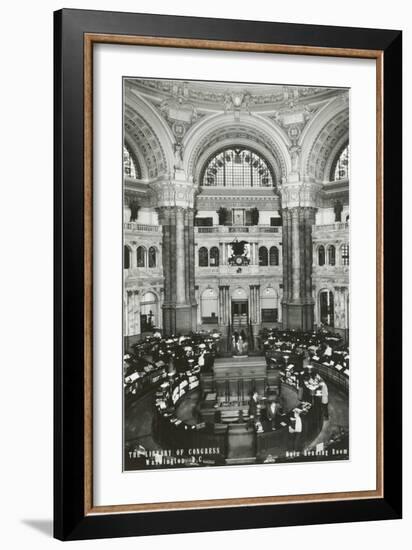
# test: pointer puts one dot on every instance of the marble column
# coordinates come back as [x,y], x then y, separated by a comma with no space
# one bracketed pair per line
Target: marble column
[298,214]
[174,200]
[180,258]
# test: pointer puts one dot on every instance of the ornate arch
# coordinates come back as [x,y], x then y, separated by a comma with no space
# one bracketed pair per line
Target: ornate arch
[219,131]
[147,137]
[324,135]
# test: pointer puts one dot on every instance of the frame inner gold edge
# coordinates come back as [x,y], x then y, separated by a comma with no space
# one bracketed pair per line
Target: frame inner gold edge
[89,40]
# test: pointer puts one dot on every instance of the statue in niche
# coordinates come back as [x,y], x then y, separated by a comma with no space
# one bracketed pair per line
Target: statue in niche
[178,150]
[294,158]
[223,215]
[337,208]
[134,210]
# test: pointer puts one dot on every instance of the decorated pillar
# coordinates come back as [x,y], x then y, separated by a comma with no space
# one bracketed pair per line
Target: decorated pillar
[174,201]
[298,213]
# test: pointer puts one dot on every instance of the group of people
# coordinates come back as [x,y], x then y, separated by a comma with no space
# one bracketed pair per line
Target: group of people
[304,348]
[274,413]
[169,355]
[240,344]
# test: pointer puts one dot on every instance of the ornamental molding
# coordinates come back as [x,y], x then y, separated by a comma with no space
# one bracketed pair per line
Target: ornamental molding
[300,194]
[173,193]
[219,94]
[143,140]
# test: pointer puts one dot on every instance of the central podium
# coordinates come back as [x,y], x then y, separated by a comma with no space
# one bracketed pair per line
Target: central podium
[233,379]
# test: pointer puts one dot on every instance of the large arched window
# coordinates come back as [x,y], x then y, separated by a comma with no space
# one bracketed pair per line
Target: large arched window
[203,257]
[341,168]
[126,257]
[131,168]
[345,254]
[263,256]
[214,256]
[274,255]
[331,255]
[152,257]
[321,255]
[141,256]
[237,167]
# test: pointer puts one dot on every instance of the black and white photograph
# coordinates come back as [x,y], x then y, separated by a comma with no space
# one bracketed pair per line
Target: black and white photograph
[236,259]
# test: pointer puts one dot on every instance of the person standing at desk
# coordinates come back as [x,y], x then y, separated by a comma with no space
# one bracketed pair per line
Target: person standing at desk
[272,412]
[253,407]
[324,399]
[295,430]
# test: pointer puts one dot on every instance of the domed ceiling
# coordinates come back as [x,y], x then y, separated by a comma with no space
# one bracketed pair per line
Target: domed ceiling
[218,96]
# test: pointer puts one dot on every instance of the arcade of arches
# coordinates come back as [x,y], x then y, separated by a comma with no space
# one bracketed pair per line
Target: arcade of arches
[236,208]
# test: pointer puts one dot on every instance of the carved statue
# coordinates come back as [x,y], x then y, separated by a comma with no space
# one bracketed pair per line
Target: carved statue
[134,210]
[337,208]
[294,158]
[178,161]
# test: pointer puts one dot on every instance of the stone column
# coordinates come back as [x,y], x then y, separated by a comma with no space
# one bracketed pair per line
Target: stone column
[225,253]
[255,253]
[181,265]
[296,248]
[126,314]
[221,307]
[136,313]
[257,302]
[251,308]
[228,304]
[133,257]
[130,312]
[198,312]
[298,214]
[174,201]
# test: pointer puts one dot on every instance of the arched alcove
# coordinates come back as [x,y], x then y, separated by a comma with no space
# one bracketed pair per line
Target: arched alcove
[260,134]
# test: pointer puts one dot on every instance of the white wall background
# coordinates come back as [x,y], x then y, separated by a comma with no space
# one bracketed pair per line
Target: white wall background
[26,276]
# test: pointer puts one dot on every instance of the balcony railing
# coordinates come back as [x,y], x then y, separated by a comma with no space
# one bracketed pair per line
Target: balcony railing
[238,229]
[337,226]
[133,226]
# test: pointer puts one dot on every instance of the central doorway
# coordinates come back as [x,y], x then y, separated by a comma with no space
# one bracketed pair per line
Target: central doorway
[240,313]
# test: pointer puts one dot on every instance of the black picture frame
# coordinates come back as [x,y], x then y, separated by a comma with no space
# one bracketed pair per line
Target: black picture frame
[71,522]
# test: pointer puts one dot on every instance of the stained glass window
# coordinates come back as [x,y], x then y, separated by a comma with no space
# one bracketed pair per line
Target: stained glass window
[342,165]
[237,167]
[131,167]
[345,254]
